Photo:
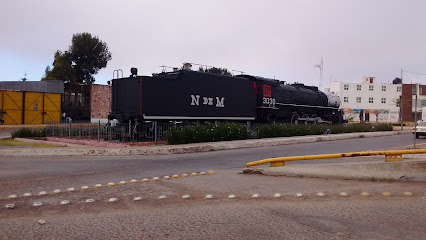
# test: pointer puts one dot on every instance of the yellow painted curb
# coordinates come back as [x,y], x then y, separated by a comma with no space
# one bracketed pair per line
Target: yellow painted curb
[155,178]
[98,185]
[71,189]
[111,184]
[166,177]
[175,176]
[184,175]
[133,181]
[122,183]
[85,188]
[145,180]
[210,172]
[194,174]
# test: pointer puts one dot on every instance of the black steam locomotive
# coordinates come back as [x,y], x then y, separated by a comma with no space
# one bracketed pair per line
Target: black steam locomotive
[185,95]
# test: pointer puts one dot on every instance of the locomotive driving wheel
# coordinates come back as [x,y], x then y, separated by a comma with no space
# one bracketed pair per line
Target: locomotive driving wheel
[314,116]
[295,119]
[305,116]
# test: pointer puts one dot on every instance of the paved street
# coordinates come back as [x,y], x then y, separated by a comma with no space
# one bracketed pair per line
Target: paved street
[243,217]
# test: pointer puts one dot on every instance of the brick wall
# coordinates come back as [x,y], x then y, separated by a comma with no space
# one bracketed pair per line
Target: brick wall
[100,102]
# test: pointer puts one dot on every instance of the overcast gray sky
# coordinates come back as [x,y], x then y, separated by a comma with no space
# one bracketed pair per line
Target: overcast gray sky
[282,39]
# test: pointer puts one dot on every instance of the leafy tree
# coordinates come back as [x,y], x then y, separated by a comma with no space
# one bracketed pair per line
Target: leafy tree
[62,69]
[215,70]
[84,58]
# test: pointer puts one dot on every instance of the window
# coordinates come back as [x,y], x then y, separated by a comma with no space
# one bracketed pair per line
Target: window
[345,99]
[371,87]
[358,99]
[358,87]
[383,88]
[414,90]
[399,88]
[370,100]
[346,87]
[267,91]
[383,100]
[423,103]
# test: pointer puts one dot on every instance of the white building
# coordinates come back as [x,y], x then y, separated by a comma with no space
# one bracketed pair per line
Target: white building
[375,101]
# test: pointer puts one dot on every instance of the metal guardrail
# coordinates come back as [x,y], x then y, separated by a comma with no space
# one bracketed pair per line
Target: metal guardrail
[390,156]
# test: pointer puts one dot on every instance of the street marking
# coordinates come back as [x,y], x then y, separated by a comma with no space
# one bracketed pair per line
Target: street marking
[133,181]
[27,195]
[387,194]
[408,194]
[194,174]
[155,178]
[299,194]
[42,193]
[37,204]
[10,206]
[71,189]
[210,172]
[98,185]
[365,194]
[56,191]
[85,188]
[166,177]
[344,194]
[122,183]
[277,195]
[112,200]
[255,195]
[137,198]
[111,184]
[42,222]
[186,196]
[184,175]
[321,194]
[145,180]
[65,202]
[90,200]
[12,196]
[162,197]
[231,196]
[209,196]
[175,176]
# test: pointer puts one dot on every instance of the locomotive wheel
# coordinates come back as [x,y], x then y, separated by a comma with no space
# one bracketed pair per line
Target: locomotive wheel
[314,116]
[295,119]
[306,116]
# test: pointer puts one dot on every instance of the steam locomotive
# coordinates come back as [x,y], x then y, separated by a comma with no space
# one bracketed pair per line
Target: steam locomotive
[186,95]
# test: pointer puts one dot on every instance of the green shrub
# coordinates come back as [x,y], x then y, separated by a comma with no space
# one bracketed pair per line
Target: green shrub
[29,132]
[207,133]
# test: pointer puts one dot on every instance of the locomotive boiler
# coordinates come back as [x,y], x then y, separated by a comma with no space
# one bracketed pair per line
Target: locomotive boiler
[185,95]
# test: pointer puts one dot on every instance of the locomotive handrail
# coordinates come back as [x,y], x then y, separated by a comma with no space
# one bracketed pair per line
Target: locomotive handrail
[390,156]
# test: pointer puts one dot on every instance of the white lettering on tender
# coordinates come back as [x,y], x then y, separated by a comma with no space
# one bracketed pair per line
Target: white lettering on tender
[220,101]
[195,100]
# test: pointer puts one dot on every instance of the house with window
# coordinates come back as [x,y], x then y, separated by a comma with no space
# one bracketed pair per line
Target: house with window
[369,100]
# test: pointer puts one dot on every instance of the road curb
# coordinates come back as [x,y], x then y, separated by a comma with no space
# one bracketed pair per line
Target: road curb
[189,148]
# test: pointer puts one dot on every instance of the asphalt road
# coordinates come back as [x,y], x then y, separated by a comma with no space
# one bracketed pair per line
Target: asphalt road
[267,217]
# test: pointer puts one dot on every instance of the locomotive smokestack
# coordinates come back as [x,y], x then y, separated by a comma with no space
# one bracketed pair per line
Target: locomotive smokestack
[134,72]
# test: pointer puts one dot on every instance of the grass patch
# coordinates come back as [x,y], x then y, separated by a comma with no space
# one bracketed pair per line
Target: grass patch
[13,143]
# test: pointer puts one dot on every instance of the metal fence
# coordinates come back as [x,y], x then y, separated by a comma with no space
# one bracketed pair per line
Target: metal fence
[139,132]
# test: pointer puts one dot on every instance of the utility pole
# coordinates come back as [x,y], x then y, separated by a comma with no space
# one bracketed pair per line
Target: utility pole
[401,104]
[321,68]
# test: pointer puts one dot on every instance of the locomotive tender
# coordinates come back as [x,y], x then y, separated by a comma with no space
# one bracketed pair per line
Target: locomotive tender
[187,95]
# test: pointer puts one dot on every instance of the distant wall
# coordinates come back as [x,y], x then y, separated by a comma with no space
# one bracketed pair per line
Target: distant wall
[100,102]
[51,86]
